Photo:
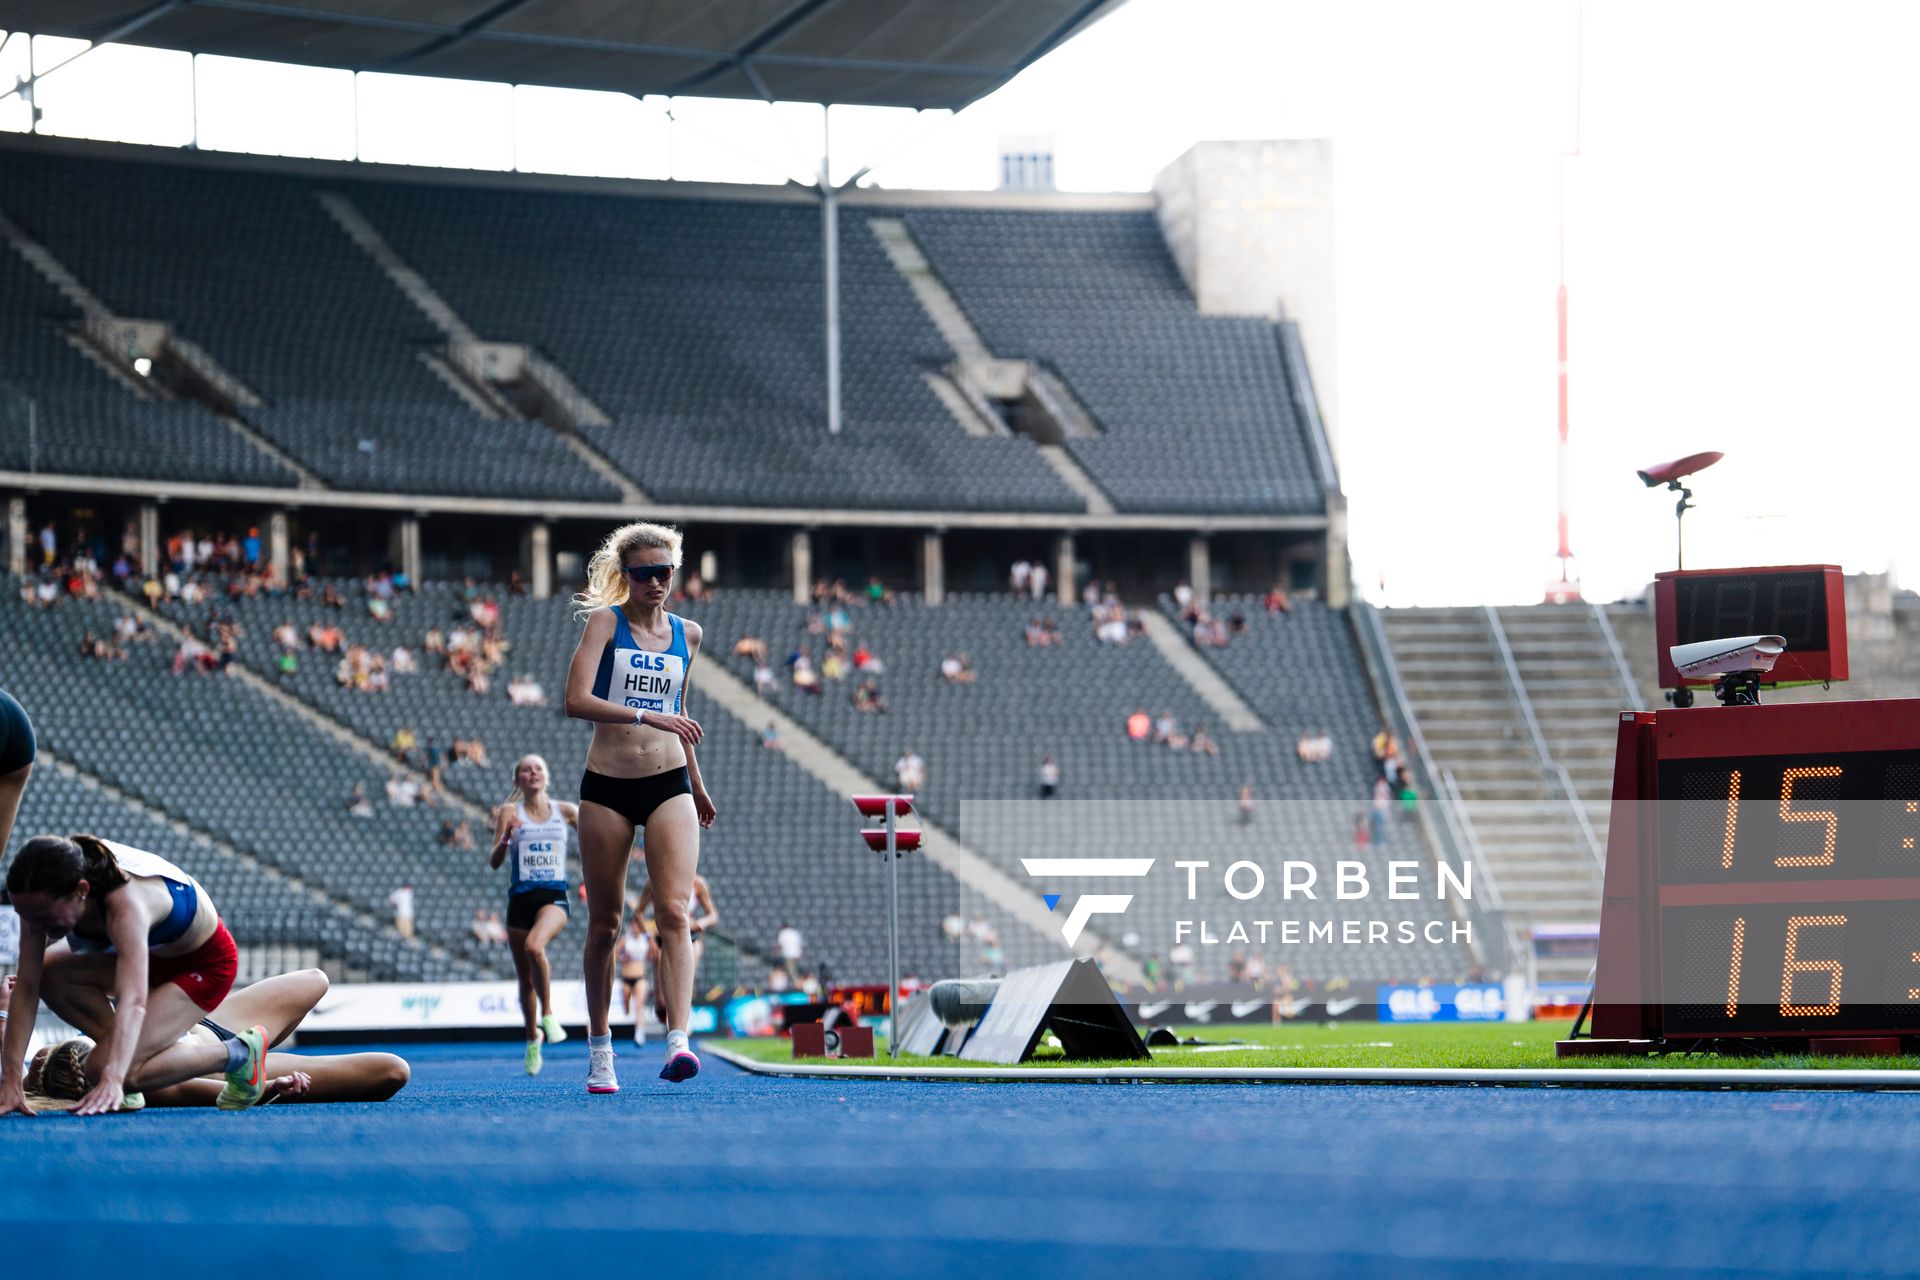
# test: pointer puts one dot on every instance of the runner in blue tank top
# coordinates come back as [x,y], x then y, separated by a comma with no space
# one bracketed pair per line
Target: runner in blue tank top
[629,678]
[530,834]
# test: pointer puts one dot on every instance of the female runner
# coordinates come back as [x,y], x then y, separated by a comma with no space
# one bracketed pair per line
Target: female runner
[128,948]
[279,1004]
[629,677]
[16,761]
[636,946]
[532,829]
[702,916]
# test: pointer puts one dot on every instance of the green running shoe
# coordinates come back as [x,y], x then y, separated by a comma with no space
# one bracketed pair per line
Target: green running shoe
[533,1057]
[246,1083]
[550,1027]
[132,1101]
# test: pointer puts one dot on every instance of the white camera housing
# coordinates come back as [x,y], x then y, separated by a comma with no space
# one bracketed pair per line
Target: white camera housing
[1705,659]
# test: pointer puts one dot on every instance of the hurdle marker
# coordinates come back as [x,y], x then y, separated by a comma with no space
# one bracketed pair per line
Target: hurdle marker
[893,842]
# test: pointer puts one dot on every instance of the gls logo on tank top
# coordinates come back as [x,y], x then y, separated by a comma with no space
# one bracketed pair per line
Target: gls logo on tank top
[648,681]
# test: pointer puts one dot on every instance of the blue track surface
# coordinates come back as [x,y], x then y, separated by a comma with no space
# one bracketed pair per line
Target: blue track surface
[477,1171]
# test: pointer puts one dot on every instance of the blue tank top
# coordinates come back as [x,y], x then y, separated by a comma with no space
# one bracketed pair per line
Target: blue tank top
[643,679]
[183,888]
[538,854]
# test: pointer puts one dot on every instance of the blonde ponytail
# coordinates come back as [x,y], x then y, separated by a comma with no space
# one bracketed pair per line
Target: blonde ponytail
[606,572]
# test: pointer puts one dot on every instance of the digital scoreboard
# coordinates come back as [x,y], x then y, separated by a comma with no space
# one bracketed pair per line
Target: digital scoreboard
[1763,874]
[1805,605]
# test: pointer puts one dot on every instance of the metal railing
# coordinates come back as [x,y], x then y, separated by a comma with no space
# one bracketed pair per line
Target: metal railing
[1627,683]
[1450,834]
[1555,772]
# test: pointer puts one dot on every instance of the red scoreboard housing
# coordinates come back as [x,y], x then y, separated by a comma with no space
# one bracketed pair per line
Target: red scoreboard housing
[1806,605]
[1763,875]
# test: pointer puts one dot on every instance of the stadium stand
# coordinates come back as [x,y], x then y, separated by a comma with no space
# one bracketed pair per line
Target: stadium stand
[214,754]
[696,325]
[250,267]
[1160,379]
[787,849]
[983,742]
[84,423]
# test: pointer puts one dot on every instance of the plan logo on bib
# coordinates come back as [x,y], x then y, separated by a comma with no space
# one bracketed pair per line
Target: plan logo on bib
[1092,904]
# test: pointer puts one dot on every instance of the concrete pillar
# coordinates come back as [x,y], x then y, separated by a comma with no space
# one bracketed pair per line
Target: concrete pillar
[1200,569]
[1337,580]
[17,536]
[149,527]
[1064,562]
[279,548]
[540,558]
[802,558]
[933,560]
[406,547]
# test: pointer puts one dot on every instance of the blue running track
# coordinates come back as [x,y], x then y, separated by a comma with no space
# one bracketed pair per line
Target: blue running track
[477,1171]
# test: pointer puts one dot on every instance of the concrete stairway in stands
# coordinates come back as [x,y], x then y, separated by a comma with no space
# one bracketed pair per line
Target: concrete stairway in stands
[1578,692]
[1534,850]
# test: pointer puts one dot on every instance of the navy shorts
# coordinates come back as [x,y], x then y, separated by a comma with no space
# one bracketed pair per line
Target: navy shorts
[523,908]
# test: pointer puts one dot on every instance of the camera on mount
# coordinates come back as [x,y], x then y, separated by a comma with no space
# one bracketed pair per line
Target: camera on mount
[1738,663]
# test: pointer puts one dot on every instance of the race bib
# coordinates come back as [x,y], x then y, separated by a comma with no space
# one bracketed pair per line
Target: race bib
[647,681]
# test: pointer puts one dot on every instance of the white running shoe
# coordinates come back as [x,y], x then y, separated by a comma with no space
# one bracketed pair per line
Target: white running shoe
[639,1035]
[600,1077]
[550,1028]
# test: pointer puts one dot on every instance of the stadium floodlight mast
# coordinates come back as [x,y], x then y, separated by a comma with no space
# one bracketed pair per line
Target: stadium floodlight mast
[1671,474]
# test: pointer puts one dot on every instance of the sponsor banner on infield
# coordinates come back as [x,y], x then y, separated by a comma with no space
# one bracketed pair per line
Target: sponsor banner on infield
[1229,1004]
[446,1006]
[1470,1002]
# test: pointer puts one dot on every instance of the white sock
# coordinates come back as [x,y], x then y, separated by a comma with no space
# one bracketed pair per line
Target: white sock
[676,1041]
[600,1042]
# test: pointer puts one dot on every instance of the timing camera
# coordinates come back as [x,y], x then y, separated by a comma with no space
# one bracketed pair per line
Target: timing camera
[1738,662]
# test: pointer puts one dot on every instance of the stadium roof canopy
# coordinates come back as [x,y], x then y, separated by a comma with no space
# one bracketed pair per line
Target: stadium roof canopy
[893,53]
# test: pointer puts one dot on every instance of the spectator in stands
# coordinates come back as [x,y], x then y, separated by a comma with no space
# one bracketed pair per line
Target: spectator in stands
[1184,963]
[791,946]
[401,900]
[1246,803]
[1166,728]
[435,642]
[445,837]
[987,940]
[1384,745]
[770,737]
[1183,602]
[1409,799]
[1139,725]
[477,753]
[403,663]
[1237,966]
[403,743]
[1362,831]
[286,664]
[402,792]
[497,929]
[524,691]
[49,544]
[1256,971]
[910,770]
[482,930]
[1390,771]
[805,678]
[752,648]
[1276,601]
[877,592]
[763,681]
[435,760]
[331,598]
[1037,581]
[1382,801]
[867,662]
[1049,777]
[868,698]
[957,668]
[1020,573]
[192,653]
[357,803]
[1202,743]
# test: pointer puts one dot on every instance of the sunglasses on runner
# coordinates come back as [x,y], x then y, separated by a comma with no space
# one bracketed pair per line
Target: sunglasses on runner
[649,572]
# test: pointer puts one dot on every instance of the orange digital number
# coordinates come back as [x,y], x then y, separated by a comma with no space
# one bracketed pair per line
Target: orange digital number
[1733,974]
[1832,820]
[1795,965]
[1733,826]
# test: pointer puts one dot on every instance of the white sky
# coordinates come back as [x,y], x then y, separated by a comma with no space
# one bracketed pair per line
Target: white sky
[1741,248]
